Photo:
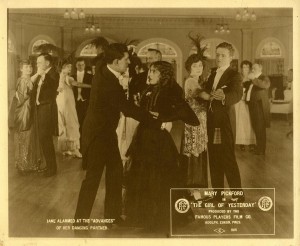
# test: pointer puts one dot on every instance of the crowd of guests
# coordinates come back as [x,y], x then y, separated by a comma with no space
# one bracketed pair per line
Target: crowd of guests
[44,106]
[83,110]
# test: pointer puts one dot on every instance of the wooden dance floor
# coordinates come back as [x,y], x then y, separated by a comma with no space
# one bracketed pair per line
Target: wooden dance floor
[33,199]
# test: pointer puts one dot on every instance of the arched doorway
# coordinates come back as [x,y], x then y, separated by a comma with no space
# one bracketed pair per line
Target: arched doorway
[38,40]
[33,53]
[88,50]
[270,53]
[170,53]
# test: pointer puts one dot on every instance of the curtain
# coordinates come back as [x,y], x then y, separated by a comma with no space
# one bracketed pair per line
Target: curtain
[272,66]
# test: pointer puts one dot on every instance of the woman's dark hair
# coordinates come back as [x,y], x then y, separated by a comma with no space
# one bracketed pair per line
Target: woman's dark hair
[144,67]
[115,51]
[193,59]
[24,62]
[246,62]
[166,73]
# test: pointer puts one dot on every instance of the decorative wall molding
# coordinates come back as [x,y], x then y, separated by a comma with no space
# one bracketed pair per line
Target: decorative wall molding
[151,22]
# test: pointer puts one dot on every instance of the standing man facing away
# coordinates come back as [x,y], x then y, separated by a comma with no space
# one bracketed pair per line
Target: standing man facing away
[224,85]
[46,82]
[259,106]
[99,139]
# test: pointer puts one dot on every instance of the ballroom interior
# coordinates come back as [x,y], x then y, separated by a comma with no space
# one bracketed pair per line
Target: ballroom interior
[262,35]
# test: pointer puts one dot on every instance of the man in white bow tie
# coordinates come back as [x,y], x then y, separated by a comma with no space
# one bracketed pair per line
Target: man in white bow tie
[46,82]
[224,85]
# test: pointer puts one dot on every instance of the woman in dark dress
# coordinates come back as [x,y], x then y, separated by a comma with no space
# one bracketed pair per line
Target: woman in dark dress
[154,155]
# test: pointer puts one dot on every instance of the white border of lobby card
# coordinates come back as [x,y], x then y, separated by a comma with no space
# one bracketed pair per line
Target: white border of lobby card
[5,4]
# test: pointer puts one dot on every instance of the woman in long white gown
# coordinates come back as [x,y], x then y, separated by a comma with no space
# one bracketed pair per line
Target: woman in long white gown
[68,140]
[244,130]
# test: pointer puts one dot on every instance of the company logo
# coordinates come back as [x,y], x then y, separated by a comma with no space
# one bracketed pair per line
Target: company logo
[265,203]
[219,230]
[182,206]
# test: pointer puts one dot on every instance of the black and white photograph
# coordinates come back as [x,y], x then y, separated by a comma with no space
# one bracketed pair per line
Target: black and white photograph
[153,122]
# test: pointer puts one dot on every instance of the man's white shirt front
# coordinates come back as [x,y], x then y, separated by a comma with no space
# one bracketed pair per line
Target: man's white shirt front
[248,96]
[219,73]
[40,85]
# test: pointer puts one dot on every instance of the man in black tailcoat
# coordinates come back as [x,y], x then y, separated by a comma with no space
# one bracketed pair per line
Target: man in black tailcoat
[224,85]
[99,138]
[46,82]
[259,106]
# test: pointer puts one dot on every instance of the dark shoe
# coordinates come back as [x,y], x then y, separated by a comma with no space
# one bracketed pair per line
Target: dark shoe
[49,173]
[259,153]
[251,148]
[42,170]
[120,222]
[242,147]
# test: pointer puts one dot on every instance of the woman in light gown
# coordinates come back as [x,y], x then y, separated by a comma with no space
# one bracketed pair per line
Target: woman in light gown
[22,118]
[195,137]
[244,131]
[68,140]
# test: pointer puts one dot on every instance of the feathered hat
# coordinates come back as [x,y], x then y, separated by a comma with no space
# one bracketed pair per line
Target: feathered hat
[100,42]
[197,41]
